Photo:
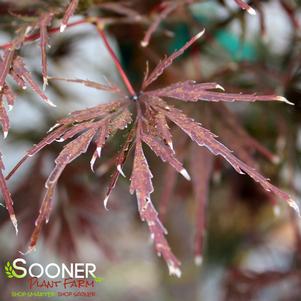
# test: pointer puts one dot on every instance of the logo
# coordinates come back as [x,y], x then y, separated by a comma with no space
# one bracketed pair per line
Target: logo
[73,279]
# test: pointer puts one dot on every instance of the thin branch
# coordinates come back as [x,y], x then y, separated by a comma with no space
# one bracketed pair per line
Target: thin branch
[122,73]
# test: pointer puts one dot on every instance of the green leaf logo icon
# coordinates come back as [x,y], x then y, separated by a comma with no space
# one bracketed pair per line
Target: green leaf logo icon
[10,272]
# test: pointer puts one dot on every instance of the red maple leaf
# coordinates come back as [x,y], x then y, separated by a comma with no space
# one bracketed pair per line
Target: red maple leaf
[148,127]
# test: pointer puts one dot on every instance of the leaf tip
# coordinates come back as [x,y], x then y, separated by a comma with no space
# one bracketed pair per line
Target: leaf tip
[198,260]
[220,87]
[53,127]
[98,150]
[45,82]
[51,103]
[144,43]
[173,270]
[283,99]
[27,30]
[120,170]
[293,204]
[14,222]
[251,11]
[92,162]
[197,36]
[185,174]
[170,144]
[60,139]
[63,27]
[105,202]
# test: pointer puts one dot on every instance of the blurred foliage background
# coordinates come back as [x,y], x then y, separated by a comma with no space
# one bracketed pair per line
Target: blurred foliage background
[252,243]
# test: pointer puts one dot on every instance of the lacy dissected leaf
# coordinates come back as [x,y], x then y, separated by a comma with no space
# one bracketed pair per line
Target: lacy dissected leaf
[166,62]
[70,152]
[20,69]
[68,127]
[7,197]
[6,68]
[192,91]
[151,127]
[141,184]
[83,132]
[204,137]
[14,65]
